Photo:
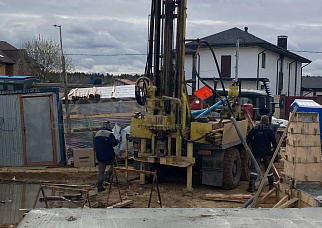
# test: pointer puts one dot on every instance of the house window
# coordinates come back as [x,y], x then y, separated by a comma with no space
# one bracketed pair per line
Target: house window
[226,66]
[263,60]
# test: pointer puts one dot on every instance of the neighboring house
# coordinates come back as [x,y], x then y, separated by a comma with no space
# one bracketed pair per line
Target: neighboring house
[14,62]
[258,62]
[311,86]
[8,59]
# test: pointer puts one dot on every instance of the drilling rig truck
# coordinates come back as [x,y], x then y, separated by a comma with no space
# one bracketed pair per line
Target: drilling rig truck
[167,132]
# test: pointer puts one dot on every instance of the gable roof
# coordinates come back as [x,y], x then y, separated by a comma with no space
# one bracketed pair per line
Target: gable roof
[8,53]
[6,46]
[312,82]
[228,38]
[4,58]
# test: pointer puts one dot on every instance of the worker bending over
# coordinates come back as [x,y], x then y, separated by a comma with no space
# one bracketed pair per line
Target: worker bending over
[105,155]
[261,137]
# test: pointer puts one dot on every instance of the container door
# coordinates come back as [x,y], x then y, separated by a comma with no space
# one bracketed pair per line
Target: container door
[38,130]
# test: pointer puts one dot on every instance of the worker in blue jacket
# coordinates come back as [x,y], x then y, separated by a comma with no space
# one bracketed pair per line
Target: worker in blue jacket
[262,138]
[105,155]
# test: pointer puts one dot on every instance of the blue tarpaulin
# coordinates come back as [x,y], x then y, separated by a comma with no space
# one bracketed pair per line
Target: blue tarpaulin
[308,106]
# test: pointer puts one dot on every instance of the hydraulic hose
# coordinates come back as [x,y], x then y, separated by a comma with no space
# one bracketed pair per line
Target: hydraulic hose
[205,111]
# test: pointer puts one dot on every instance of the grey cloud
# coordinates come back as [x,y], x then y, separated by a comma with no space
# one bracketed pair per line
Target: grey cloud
[87,63]
[120,26]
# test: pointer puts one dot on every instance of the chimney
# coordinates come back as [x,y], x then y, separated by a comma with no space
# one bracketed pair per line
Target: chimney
[246,29]
[282,42]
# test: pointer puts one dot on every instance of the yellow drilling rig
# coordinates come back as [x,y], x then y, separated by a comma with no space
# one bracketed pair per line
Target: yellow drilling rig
[166,133]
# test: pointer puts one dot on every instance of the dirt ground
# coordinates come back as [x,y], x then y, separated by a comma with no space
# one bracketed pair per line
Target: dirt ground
[173,191]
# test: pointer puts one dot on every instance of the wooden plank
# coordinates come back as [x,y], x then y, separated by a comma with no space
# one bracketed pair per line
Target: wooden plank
[72,185]
[23,130]
[307,117]
[302,154]
[307,199]
[307,128]
[279,203]
[227,197]
[124,203]
[241,198]
[289,203]
[303,140]
[133,170]
[262,200]
[303,171]
[53,129]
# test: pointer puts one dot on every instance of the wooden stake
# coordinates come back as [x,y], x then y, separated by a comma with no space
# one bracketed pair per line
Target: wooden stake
[266,196]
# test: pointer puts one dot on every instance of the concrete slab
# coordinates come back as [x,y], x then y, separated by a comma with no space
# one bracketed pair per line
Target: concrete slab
[172,217]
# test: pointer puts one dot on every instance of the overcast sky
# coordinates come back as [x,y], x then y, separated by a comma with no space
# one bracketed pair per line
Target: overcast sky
[111,27]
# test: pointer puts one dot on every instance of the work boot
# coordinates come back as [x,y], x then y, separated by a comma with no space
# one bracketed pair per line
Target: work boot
[270,182]
[100,187]
[251,187]
[108,177]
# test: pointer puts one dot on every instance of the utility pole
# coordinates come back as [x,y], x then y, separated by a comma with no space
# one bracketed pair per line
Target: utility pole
[64,76]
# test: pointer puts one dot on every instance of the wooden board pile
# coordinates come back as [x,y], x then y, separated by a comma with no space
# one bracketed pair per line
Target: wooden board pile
[93,94]
[215,136]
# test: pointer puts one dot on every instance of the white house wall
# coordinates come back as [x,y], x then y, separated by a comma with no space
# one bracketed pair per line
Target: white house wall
[292,77]
[248,67]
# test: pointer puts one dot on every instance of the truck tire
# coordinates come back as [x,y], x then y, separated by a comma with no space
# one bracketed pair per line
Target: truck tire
[245,164]
[231,169]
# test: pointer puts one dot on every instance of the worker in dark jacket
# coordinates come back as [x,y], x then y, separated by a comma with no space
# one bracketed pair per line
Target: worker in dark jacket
[105,155]
[262,139]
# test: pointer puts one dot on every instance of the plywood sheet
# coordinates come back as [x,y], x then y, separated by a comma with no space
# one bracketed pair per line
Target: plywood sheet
[309,128]
[303,154]
[303,140]
[230,134]
[303,171]
[307,117]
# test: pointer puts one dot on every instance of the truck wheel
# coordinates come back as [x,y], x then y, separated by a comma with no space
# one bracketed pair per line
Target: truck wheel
[231,169]
[245,164]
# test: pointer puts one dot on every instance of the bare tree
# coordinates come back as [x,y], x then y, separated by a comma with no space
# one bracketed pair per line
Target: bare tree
[47,59]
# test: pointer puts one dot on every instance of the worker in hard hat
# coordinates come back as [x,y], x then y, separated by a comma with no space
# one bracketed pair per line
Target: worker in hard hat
[262,139]
[105,155]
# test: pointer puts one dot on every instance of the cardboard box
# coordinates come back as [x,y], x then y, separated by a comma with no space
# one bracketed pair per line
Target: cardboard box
[84,157]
